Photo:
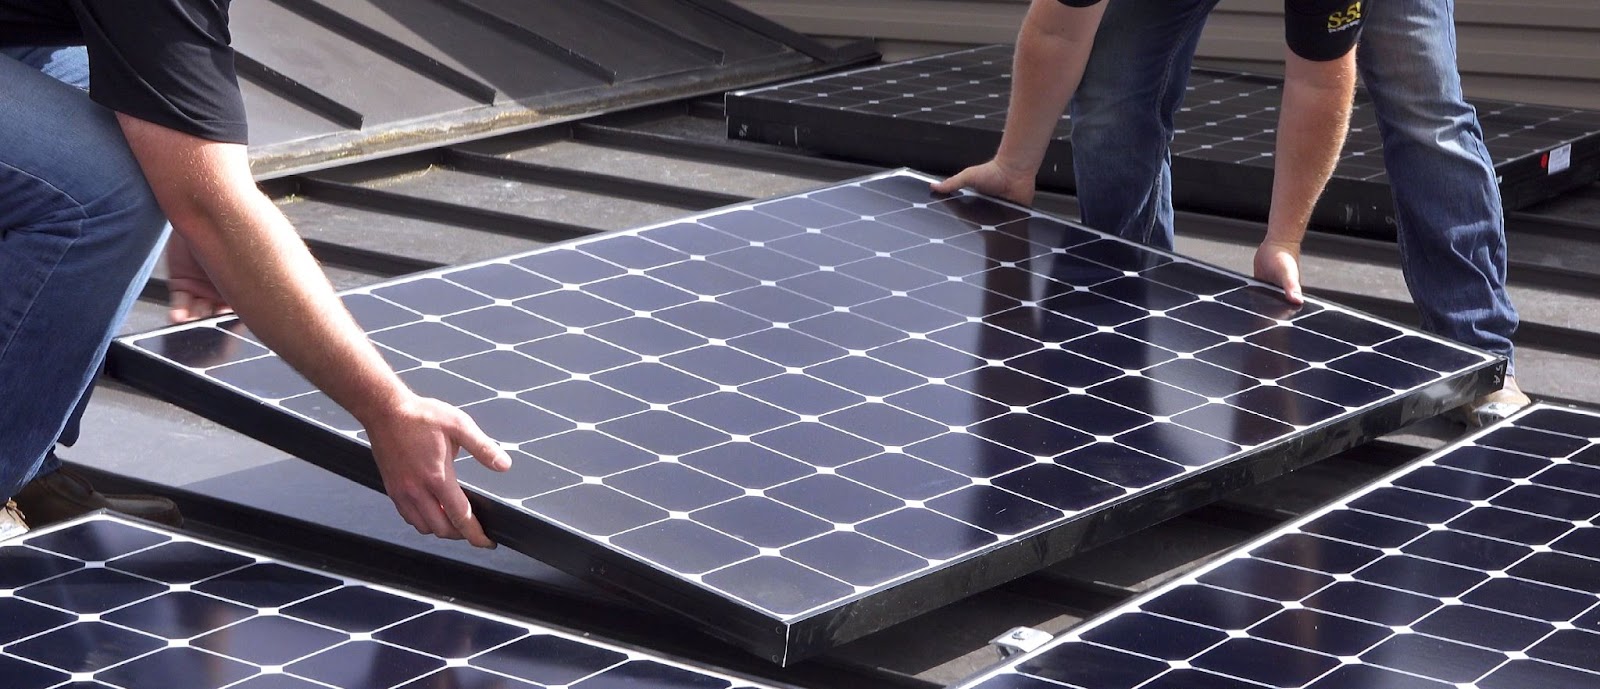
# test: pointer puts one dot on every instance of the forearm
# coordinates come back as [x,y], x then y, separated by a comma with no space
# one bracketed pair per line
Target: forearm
[1052,50]
[262,268]
[270,279]
[1312,122]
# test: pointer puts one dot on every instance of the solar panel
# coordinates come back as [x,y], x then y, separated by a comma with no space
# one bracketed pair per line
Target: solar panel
[801,420]
[945,112]
[1477,567]
[109,603]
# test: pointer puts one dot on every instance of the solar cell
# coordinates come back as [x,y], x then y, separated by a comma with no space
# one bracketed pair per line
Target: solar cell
[944,112]
[859,449]
[1476,567]
[103,601]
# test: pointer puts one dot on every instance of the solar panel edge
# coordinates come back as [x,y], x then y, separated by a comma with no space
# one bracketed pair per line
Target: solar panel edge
[258,556]
[1075,634]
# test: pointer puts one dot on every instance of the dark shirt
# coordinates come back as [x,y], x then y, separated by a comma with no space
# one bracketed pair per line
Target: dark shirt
[162,61]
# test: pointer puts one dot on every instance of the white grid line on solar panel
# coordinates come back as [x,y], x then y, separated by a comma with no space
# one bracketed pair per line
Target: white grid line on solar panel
[1237,137]
[214,615]
[756,550]
[980,100]
[1297,584]
[1503,122]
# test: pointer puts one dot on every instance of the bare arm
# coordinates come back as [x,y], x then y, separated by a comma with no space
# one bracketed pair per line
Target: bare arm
[1052,50]
[264,272]
[1311,129]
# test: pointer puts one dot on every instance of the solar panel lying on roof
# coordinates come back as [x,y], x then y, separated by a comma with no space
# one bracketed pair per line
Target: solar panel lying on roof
[945,112]
[804,419]
[1478,567]
[107,603]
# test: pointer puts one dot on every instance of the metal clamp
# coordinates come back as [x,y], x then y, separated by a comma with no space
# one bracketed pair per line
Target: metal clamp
[1019,641]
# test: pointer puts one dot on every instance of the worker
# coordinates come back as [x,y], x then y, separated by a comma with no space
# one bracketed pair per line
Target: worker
[1124,66]
[117,117]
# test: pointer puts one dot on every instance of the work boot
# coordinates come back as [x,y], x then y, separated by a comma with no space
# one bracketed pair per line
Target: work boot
[12,522]
[62,494]
[1496,406]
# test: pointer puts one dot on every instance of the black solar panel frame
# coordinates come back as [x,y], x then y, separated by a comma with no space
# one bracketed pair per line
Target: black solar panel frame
[1242,552]
[276,553]
[859,615]
[1348,204]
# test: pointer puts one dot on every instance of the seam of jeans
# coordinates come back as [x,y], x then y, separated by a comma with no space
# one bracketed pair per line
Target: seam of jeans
[5,347]
[33,300]
[1166,82]
[82,214]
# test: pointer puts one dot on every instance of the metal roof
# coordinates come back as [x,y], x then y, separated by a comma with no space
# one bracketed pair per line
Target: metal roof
[328,80]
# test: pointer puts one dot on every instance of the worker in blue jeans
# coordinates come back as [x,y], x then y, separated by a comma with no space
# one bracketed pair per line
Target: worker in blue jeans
[88,184]
[1451,228]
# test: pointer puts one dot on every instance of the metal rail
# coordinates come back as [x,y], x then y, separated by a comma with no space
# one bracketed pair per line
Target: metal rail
[589,182]
[387,46]
[498,222]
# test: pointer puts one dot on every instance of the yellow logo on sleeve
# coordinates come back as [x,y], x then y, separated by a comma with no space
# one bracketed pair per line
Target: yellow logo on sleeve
[1339,21]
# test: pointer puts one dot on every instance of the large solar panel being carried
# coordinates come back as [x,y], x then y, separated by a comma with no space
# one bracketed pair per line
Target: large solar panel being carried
[944,112]
[801,420]
[107,603]
[1476,568]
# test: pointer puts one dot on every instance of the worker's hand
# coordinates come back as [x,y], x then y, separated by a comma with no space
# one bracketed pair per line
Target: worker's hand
[415,447]
[191,296]
[993,178]
[1279,264]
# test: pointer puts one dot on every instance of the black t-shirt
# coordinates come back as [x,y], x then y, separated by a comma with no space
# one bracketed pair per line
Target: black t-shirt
[163,61]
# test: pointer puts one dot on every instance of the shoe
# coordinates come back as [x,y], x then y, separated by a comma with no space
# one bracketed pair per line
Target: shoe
[62,494]
[1496,406]
[12,522]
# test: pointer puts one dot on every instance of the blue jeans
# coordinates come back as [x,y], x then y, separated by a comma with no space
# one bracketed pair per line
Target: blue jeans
[1450,224]
[79,234]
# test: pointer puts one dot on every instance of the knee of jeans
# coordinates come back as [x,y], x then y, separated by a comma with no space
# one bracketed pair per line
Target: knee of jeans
[1426,117]
[1418,103]
[1104,119]
[1118,144]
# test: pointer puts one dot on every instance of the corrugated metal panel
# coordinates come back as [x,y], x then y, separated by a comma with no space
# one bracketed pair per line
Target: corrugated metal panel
[1540,51]
[328,80]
